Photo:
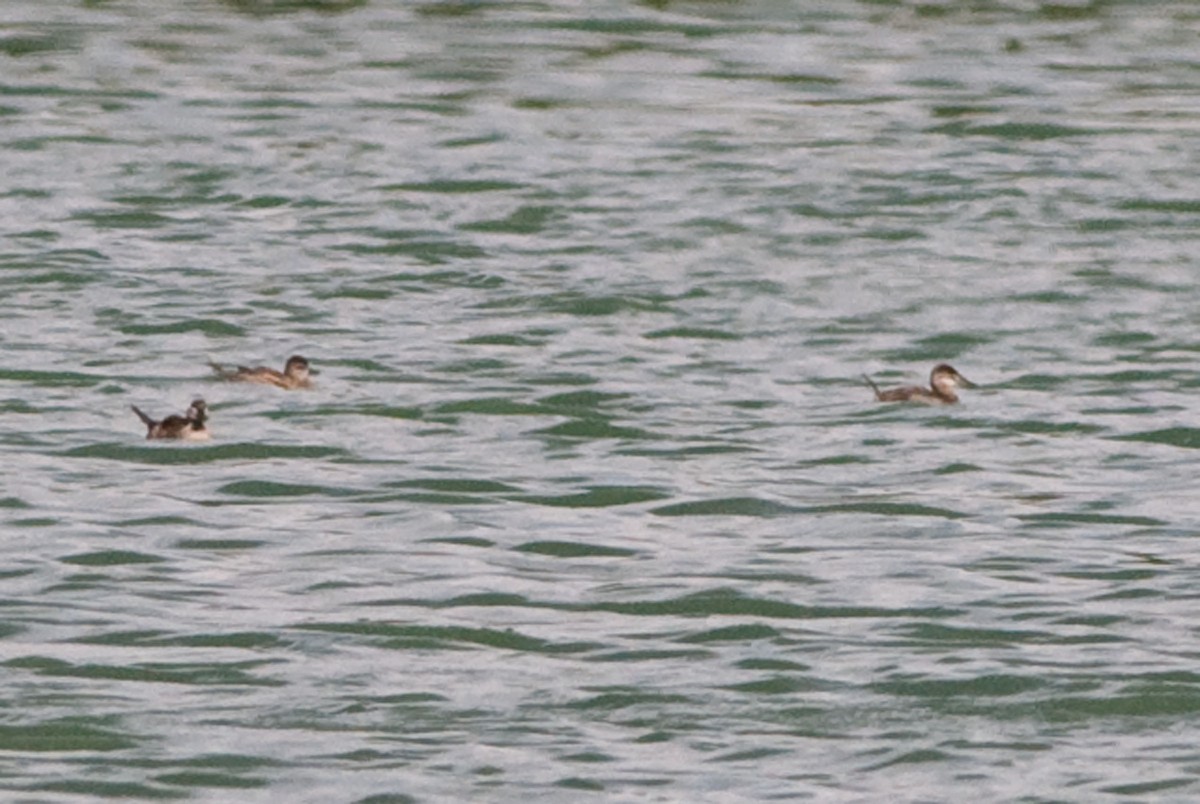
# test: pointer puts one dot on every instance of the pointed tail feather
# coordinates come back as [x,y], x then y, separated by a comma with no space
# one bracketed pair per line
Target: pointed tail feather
[874,387]
[146,420]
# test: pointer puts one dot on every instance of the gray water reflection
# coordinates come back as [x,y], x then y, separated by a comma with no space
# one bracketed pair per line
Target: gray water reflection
[589,497]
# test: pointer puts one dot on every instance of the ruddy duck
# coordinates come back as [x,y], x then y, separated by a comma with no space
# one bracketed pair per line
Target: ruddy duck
[189,426]
[294,375]
[942,382]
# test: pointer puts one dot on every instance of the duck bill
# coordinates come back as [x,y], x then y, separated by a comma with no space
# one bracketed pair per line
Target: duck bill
[963,382]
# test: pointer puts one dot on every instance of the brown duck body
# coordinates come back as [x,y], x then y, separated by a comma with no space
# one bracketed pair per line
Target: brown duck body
[943,381]
[189,427]
[295,374]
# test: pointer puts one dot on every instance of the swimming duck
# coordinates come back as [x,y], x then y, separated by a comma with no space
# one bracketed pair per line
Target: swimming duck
[942,382]
[295,374]
[188,427]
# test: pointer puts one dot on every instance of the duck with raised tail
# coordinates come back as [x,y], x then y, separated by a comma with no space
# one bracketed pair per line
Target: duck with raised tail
[191,426]
[943,381]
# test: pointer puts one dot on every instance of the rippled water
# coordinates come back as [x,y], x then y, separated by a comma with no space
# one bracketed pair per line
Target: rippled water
[591,500]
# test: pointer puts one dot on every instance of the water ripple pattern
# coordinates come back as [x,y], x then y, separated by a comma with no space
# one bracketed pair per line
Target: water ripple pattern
[590,501]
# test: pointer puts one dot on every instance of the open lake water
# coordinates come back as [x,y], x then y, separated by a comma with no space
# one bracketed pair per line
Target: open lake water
[591,502]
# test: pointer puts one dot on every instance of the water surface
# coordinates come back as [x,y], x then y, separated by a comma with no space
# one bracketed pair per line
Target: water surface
[591,500]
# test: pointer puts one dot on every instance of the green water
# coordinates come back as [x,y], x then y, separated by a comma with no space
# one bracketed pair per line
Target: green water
[590,501]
